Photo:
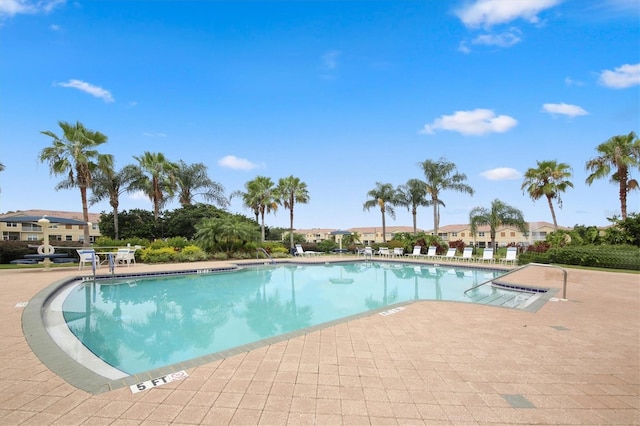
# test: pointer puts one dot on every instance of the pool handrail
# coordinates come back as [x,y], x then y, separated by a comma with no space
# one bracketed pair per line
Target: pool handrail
[564,284]
[265,253]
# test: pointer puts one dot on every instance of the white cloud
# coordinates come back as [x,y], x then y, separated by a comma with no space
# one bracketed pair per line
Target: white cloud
[233,162]
[491,12]
[622,77]
[54,27]
[330,59]
[462,47]
[138,195]
[475,122]
[564,109]
[89,88]
[501,173]
[571,82]
[155,135]
[506,39]
[10,8]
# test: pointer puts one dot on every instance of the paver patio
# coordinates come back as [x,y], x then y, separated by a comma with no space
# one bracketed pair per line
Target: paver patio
[571,362]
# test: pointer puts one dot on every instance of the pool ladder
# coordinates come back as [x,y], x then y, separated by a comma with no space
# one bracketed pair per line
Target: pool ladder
[564,286]
[260,249]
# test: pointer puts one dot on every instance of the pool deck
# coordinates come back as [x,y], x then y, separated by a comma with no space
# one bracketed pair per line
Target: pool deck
[571,362]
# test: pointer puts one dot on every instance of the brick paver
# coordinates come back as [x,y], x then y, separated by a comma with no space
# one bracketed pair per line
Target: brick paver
[571,362]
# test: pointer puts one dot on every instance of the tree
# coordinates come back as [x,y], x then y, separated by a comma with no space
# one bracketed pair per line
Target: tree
[75,155]
[385,197]
[351,239]
[619,154]
[225,233]
[157,179]
[191,178]
[498,215]
[260,196]
[109,184]
[440,176]
[291,190]
[412,195]
[549,179]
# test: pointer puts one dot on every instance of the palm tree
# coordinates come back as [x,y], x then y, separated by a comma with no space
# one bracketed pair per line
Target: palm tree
[157,179]
[191,178]
[412,195]
[351,238]
[109,184]
[440,176]
[498,215]
[385,197]
[225,233]
[260,196]
[619,154]
[291,190]
[74,155]
[549,179]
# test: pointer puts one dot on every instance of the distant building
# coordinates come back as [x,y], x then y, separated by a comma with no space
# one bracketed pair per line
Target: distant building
[63,226]
[505,235]
[368,235]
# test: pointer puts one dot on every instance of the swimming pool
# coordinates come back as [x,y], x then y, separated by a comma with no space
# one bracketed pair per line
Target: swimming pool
[136,324]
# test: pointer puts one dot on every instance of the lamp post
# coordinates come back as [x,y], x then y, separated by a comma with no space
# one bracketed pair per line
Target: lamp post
[46,248]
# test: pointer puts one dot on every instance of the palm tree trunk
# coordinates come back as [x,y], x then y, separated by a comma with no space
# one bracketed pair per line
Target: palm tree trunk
[553,213]
[623,194]
[291,226]
[85,217]
[415,227]
[262,225]
[435,217]
[384,228]
[115,223]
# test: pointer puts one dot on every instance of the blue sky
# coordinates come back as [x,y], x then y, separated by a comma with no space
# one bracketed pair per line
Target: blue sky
[341,94]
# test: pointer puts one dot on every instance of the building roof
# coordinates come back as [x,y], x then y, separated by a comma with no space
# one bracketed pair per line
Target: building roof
[64,217]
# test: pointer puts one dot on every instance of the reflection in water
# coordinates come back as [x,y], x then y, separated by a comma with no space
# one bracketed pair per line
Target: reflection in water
[161,321]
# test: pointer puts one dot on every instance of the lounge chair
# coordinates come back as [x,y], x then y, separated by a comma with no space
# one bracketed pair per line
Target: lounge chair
[467,254]
[431,252]
[398,251]
[384,252]
[512,256]
[88,257]
[367,252]
[451,254]
[125,255]
[417,252]
[301,252]
[487,256]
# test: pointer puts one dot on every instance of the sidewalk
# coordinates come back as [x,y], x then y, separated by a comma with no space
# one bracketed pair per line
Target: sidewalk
[571,362]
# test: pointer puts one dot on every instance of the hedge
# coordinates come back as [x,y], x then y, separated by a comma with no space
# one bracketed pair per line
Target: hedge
[614,257]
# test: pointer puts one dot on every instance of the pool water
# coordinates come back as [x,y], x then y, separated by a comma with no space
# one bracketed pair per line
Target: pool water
[142,324]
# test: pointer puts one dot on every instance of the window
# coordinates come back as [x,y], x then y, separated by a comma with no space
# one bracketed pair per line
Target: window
[480,234]
[455,234]
[12,225]
[513,234]
[462,234]
[32,237]
[442,234]
[503,234]
[68,238]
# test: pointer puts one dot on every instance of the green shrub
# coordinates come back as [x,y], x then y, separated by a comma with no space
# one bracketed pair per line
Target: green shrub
[602,256]
[177,242]
[158,255]
[191,254]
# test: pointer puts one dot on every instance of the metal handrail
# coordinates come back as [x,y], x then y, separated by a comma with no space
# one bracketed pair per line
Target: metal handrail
[564,285]
[265,253]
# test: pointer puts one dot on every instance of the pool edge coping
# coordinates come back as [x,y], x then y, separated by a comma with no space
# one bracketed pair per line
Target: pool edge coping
[81,377]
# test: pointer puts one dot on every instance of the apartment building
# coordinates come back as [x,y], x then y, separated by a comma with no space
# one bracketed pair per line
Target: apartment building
[368,235]
[505,235]
[28,225]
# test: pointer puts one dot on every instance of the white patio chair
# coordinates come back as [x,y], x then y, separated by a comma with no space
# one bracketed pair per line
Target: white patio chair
[487,256]
[88,257]
[511,257]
